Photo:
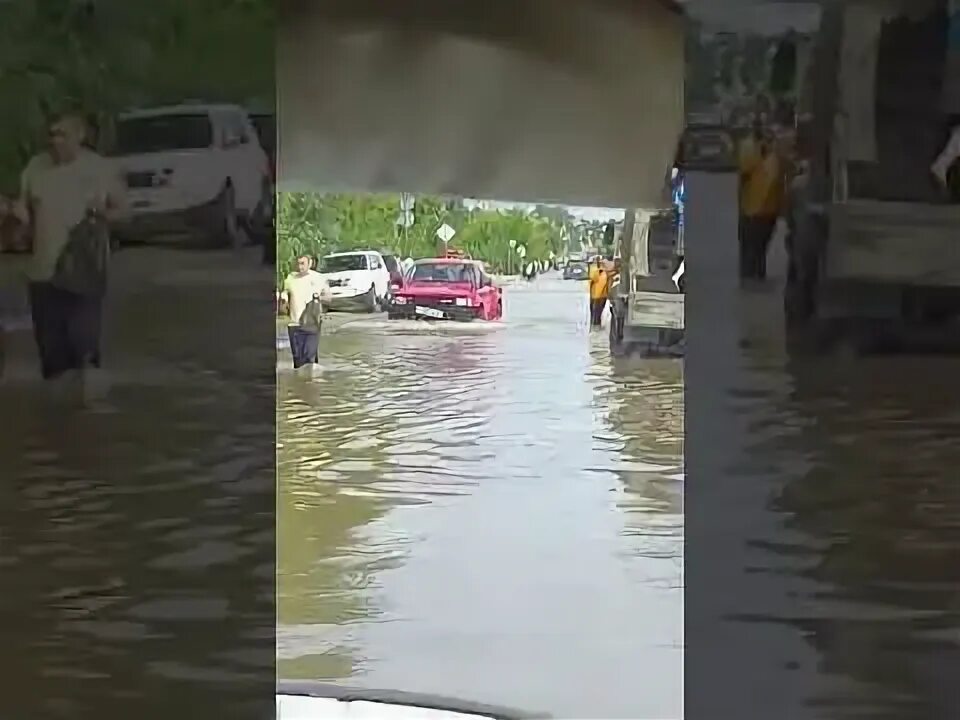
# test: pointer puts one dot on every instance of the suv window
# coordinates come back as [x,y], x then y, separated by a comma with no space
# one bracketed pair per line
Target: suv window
[159,133]
[390,262]
[234,129]
[266,127]
[243,127]
[343,263]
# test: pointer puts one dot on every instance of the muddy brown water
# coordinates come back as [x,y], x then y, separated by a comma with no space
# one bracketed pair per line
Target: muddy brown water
[494,515]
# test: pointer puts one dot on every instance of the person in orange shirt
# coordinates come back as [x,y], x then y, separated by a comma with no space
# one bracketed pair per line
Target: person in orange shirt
[762,194]
[599,278]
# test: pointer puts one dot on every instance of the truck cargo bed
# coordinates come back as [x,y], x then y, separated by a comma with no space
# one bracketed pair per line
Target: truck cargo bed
[912,244]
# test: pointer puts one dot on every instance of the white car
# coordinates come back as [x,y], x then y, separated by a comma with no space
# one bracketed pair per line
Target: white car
[194,168]
[357,279]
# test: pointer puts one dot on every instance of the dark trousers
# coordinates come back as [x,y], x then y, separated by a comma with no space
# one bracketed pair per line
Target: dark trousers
[66,327]
[596,311]
[755,236]
[304,346]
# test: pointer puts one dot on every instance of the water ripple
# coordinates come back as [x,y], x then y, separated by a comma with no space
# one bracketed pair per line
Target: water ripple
[424,474]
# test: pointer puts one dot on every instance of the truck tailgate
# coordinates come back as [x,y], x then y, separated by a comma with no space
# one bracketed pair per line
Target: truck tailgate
[894,242]
[656,309]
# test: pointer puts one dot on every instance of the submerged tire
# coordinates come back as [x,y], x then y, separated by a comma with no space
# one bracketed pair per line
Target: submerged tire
[370,300]
[228,225]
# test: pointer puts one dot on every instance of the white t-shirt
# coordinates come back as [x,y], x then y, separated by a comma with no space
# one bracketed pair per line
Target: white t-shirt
[59,195]
[300,289]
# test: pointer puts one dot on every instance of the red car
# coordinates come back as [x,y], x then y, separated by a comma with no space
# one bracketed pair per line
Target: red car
[447,289]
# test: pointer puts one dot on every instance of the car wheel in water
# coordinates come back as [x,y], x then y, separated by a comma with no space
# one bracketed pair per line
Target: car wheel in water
[228,229]
[370,300]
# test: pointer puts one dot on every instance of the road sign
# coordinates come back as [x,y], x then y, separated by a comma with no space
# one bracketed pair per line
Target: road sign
[405,219]
[522,251]
[445,232]
[513,244]
[407,201]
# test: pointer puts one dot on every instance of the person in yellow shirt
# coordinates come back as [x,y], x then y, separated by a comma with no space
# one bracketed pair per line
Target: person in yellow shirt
[599,278]
[762,194]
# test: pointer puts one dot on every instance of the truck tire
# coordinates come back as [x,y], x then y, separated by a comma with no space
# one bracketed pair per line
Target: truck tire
[616,327]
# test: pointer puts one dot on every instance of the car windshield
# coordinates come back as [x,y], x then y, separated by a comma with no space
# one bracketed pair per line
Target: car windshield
[160,133]
[574,266]
[443,272]
[343,263]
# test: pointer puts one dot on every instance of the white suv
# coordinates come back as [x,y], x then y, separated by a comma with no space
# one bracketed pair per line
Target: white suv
[357,279]
[191,168]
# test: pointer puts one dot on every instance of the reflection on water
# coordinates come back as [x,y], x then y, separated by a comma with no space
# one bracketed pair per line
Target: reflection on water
[494,516]
[854,545]
[136,556]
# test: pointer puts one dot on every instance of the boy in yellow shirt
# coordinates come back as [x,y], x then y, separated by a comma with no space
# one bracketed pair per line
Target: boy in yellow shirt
[599,279]
[762,192]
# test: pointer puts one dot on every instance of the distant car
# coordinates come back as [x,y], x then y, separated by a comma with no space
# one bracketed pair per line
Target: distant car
[193,168]
[358,280]
[575,271]
[447,289]
[707,147]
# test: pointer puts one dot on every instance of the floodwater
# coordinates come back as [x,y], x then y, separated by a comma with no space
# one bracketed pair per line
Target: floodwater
[136,558]
[822,514]
[495,515]
[836,513]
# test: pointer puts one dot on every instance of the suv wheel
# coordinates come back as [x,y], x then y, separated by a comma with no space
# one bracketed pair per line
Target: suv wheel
[227,223]
[370,300]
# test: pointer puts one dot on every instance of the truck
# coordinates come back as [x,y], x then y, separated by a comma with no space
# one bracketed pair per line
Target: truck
[646,297]
[872,251]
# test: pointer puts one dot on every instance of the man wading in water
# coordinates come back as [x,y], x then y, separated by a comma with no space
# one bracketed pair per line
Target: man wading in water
[599,280]
[762,188]
[306,292]
[60,190]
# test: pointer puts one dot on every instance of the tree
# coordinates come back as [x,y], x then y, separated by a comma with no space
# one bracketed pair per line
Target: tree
[316,224]
[101,56]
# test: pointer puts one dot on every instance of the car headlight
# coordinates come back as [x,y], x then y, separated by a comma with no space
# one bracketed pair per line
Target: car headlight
[463,302]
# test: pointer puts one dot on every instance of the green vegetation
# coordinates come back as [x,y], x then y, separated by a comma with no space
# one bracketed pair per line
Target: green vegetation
[100,56]
[315,224]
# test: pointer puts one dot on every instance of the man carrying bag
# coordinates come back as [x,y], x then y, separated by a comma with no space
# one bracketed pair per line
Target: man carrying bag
[67,193]
[305,291]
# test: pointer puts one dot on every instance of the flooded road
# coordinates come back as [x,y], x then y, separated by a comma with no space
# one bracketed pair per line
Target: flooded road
[835,516]
[495,516]
[822,512]
[137,543]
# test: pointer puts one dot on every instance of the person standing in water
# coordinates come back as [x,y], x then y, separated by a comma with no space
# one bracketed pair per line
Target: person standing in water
[306,292]
[599,279]
[762,189]
[60,189]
